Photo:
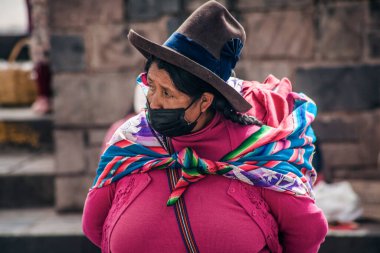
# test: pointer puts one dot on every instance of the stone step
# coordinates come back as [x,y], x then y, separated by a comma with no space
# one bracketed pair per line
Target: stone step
[21,129]
[369,194]
[26,180]
[42,231]
[365,239]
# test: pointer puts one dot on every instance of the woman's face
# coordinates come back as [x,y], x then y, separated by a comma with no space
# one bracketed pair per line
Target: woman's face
[163,94]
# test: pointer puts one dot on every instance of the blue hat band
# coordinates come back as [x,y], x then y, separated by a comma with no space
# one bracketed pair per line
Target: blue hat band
[229,55]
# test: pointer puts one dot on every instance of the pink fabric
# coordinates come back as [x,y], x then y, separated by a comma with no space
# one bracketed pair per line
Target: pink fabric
[226,215]
[269,99]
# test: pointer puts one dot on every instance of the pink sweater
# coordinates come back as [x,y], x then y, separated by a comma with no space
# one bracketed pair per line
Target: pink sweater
[225,215]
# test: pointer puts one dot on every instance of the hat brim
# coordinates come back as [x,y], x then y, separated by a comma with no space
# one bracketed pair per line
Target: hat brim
[149,48]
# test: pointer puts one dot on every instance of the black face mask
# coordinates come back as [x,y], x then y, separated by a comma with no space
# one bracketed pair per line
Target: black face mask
[170,122]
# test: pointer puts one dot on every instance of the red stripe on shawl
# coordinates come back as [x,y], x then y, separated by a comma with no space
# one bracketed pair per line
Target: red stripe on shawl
[123,143]
[132,160]
[248,167]
[159,150]
[108,181]
[107,169]
[147,166]
[304,170]
[126,163]
[251,162]
[156,163]
[179,188]
[252,166]
[271,164]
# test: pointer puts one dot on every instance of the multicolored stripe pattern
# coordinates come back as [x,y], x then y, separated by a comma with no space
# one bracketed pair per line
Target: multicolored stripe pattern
[274,158]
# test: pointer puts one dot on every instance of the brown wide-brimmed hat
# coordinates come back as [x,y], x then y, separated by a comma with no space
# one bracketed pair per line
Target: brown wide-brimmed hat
[208,45]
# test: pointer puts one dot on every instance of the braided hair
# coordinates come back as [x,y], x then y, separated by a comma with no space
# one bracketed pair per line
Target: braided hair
[194,87]
[220,104]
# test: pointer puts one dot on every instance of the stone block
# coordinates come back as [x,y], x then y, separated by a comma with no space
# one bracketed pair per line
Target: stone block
[371,211]
[139,10]
[341,88]
[38,2]
[110,97]
[109,49]
[169,6]
[67,53]
[23,191]
[280,34]
[70,101]
[365,127]
[376,137]
[26,134]
[65,15]
[194,4]
[70,154]
[41,165]
[96,136]
[103,12]
[368,190]
[341,154]
[71,192]
[46,241]
[173,24]
[98,99]
[155,31]
[374,11]
[374,44]
[259,70]
[356,172]
[247,5]
[74,15]
[341,30]
[370,136]
[337,127]
[11,161]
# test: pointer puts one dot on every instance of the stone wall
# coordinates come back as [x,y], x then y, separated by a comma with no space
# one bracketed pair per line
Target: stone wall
[329,49]
[94,69]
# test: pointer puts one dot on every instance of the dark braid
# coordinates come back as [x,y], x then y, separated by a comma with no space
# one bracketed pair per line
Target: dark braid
[221,105]
[193,86]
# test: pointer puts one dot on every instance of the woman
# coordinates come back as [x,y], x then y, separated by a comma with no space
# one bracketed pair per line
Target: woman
[216,164]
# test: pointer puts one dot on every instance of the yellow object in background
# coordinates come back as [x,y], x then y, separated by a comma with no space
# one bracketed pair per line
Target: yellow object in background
[17,87]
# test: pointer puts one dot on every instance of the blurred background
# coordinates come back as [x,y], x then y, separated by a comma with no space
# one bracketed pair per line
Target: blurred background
[67,74]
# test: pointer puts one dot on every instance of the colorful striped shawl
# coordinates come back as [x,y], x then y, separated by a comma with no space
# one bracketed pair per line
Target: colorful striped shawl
[277,158]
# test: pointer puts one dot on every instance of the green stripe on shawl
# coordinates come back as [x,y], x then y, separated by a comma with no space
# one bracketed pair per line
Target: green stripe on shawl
[247,143]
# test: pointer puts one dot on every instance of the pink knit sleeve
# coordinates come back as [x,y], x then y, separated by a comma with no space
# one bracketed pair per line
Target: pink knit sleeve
[97,205]
[302,225]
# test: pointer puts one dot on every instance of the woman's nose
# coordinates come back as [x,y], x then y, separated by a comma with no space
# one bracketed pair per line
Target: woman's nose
[154,102]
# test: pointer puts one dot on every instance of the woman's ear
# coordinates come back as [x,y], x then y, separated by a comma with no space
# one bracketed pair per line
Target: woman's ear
[206,101]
